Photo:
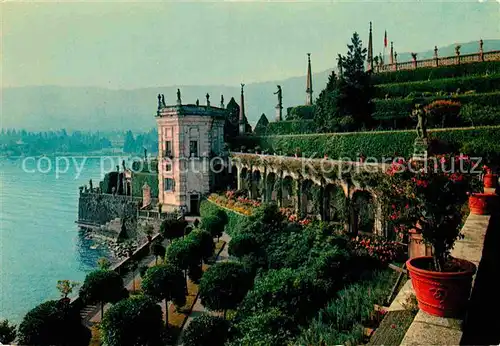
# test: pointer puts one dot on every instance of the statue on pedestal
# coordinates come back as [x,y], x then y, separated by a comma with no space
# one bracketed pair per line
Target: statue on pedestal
[160,105]
[197,102]
[179,97]
[208,99]
[221,101]
[163,100]
[280,97]
[421,121]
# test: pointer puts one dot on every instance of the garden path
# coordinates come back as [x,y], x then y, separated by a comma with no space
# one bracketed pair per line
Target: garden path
[198,308]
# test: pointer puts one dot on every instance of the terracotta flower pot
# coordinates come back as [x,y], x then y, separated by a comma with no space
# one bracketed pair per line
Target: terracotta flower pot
[481,203]
[443,294]
[490,180]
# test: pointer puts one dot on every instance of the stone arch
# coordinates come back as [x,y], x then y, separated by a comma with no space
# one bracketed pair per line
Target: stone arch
[363,212]
[271,189]
[287,192]
[255,187]
[307,199]
[335,203]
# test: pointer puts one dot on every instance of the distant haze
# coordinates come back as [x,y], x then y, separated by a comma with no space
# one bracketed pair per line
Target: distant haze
[99,65]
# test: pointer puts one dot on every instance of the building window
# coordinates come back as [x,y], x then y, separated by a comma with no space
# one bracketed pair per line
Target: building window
[193,148]
[169,184]
[168,149]
[168,167]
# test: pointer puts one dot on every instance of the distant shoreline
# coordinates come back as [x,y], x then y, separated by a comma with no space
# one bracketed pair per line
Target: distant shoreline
[54,155]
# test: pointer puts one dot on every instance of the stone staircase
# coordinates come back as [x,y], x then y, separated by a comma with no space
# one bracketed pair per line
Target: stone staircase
[87,312]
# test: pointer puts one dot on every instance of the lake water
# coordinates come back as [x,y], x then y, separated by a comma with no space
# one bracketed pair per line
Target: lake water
[39,240]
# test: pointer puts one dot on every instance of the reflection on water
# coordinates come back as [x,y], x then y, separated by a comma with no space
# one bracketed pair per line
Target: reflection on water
[39,240]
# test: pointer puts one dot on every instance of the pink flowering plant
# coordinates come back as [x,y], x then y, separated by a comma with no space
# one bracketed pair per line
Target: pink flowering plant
[427,196]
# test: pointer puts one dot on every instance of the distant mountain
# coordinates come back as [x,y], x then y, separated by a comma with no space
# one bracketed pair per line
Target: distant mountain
[90,108]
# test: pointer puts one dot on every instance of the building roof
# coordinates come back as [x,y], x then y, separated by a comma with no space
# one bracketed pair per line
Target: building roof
[187,110]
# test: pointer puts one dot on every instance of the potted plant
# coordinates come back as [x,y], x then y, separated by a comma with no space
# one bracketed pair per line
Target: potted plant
[432,194]
[65,287]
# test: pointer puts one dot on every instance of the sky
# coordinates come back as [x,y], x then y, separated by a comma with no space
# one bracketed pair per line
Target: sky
[126,45]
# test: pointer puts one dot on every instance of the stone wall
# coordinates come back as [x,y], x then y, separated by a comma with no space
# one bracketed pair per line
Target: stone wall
[98,209]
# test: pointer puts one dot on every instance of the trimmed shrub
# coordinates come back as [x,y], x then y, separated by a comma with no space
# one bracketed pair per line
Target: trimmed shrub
[378,144]
[449,85]
[300,112]
[206,330]
[289,127]
[208,208]
[430,73]
[133,321]
[7,332]
[477,115]
[399,108]
[53,323]
[443,112]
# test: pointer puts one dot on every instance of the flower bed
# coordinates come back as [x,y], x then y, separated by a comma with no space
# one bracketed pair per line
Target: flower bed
[384,250]
[233,200]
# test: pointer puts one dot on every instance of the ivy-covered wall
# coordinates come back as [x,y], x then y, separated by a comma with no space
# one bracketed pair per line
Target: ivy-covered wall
[429,73]
[207,208]
[379,144]
[138,180]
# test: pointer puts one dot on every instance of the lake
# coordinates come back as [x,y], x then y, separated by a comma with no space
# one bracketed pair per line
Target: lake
[39,240]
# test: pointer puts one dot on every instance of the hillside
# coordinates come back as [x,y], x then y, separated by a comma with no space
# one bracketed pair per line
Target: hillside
[91,108]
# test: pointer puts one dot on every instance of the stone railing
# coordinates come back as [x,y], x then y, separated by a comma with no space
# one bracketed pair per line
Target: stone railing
[435,62]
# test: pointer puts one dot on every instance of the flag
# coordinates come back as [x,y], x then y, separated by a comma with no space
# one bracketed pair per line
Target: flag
[385,39]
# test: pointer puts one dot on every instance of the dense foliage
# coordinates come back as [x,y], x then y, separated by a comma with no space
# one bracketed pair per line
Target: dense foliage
[102,286]
[133,321]
[165,282]
[478,141]
[261,125]
[206,330]
[143,141]
[478,84]
[300,112]
[345,103]
[7,332]
[21,142]
[207,208]
[431,73]
[224,285]
[53,323]
[173,228]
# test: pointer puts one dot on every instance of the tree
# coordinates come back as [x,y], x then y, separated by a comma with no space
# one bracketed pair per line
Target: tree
[129,145]
[206,330]
[260,127]
[165,282]
[66,287]
[345,103]
[53,323]
[102,286]
[224,285]
[213,225]
[157,250]
[133,321]
[183,254]
[243,244]
[103,263]
[173,228]
[203,244]
[7,332]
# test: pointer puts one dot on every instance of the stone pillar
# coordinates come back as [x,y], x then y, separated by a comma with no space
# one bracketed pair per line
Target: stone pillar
[239,179]
[416,245]
[279,113]
[457,53]
[146,195]
[322,202]
[481,53]
[395,61]
[298,194]
[436,58]
[279,192]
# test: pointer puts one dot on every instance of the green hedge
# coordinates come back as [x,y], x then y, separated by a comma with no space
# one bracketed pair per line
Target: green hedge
[207,208]
[300,112]
[426,73]
[401,107]
[138,180]
[477,83]
[377,144]
[289,127]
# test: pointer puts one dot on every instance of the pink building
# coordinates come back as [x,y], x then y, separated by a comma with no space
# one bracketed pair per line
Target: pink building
[191,147]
